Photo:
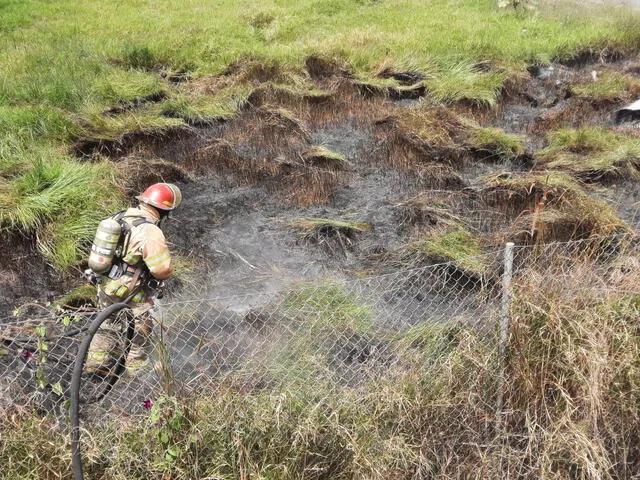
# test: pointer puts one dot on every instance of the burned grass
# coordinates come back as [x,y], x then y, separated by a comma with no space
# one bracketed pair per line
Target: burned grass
[135,174]
[434,143]
[421,136]
[548,206]
[322,67]
[288,96]
[428,210]
[334,235]
[251,70]
[390,88]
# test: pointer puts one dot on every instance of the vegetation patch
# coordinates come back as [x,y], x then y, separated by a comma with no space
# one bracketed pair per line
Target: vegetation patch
[467,84]
[279,122]
[450,245]
[417,136]
[593,154]
[111,135]
[609,88]
[549,206]
[322,67]
[390,88]
[58,202]
[578,346]
[335,235]
[136,174]
[494,144]
[200,111]
[329,307]
[79,297]
[426,211]
[290,96]
[251,70]
[322,157]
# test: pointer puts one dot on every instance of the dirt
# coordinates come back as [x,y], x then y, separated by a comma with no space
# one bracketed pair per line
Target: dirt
[244,181]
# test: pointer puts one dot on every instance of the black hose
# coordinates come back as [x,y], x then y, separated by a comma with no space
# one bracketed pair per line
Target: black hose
[83,349]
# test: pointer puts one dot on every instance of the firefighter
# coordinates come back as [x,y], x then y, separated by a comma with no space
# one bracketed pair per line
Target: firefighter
[136,273]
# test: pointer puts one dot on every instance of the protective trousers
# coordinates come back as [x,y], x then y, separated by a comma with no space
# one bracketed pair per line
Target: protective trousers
[109,343]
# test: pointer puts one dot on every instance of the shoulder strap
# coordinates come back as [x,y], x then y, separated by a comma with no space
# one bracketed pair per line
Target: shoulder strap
[125,227]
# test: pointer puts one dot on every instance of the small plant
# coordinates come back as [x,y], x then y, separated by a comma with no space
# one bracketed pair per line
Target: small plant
[170,421]
[518,5]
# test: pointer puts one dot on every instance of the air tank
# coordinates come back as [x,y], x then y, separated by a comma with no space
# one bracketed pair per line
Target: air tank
[104,245]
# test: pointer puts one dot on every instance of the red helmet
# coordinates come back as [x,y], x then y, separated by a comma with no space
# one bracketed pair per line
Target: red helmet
[164,196]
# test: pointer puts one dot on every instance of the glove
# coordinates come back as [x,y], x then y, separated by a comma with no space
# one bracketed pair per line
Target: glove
[90,276]
[158,288]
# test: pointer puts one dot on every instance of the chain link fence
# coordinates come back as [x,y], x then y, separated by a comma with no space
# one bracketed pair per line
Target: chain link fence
[319,339]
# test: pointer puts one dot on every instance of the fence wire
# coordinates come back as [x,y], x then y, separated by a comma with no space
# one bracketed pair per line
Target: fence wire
[328,337]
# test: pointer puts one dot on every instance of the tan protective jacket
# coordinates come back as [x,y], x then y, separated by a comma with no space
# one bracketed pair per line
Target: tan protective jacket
[147,246]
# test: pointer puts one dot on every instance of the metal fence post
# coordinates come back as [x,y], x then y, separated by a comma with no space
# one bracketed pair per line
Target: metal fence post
[504,329]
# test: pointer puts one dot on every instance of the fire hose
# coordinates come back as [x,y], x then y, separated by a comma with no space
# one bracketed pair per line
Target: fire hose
[74,411]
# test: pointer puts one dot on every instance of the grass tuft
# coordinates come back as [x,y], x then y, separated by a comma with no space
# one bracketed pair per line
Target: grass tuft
[450,245]
[495,143]
[58,202]
[610,87]
[462,82]
[593,154]
[322,157]
[548,206]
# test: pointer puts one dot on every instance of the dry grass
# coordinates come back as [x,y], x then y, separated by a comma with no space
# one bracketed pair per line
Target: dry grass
[420,136]
[136,174]
[337,236]
[570,394]
[451,243]
[573,374]
[548,206]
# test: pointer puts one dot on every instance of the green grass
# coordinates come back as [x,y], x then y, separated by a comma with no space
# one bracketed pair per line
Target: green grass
[461,82]
[593,154]
[452,245]
[59,202]
[610,87]
[496,141]
[330,306]
[68,48]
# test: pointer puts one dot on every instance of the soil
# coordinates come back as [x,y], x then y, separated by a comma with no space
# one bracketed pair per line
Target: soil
[244,181]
